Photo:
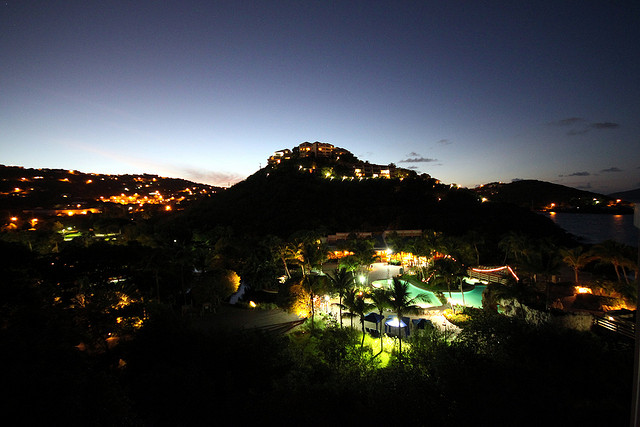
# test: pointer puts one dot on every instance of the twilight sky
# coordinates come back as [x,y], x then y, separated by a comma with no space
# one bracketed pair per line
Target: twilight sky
[467,91]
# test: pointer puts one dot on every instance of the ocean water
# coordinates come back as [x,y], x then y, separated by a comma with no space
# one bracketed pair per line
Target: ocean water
[596,228]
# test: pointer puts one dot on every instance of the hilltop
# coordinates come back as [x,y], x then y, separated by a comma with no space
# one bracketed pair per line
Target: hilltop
[285,200]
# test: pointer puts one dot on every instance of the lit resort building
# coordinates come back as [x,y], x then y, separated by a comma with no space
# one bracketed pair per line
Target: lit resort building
[324,151]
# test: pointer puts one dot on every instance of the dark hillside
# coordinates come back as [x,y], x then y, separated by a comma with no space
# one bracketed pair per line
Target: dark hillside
[630,196]
[280,203]
[540,195]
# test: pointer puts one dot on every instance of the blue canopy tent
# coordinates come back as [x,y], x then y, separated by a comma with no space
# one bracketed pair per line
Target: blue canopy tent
[393,327]
[421,323]
[373,318]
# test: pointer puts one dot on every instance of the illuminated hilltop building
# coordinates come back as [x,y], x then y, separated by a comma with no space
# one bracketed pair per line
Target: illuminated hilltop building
[324,151]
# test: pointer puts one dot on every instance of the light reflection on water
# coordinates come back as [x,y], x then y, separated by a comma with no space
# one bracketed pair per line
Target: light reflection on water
[596,228]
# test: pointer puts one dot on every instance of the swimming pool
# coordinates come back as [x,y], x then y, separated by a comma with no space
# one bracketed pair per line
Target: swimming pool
[472,298]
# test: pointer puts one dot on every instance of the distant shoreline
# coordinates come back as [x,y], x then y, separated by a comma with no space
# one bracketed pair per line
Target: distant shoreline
[599,211]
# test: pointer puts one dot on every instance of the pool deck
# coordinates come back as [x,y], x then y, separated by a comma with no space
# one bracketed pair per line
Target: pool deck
[382,271]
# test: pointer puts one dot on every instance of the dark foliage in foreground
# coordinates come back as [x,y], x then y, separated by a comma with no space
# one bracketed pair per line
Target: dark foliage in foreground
[499,371]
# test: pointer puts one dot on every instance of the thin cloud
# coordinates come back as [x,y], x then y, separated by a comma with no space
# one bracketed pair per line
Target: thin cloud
[445,142]
[612,169]
[568,121]
[604,125]
[583,173]
[413,154]
[586,186]
[580,126]
[418,160]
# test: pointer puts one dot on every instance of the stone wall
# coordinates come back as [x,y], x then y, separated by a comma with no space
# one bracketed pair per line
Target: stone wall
[577,321]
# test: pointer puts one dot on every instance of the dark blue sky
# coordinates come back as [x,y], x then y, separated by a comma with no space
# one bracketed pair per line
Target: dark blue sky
[469,92]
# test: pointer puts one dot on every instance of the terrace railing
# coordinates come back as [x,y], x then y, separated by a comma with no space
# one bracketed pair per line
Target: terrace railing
[622,327]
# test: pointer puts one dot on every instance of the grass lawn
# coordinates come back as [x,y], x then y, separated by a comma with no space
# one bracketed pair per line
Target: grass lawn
[388,345]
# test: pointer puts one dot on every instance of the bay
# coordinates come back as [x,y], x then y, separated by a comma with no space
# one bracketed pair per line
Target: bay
[596,228]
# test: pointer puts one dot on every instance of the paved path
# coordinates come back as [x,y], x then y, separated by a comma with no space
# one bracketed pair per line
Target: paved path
[228,317]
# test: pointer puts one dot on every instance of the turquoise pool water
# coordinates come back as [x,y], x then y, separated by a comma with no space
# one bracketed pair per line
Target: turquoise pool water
[472,298]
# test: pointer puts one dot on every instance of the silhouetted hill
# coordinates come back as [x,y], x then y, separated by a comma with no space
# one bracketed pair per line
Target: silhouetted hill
[540,195]
[630,195]
[282,202]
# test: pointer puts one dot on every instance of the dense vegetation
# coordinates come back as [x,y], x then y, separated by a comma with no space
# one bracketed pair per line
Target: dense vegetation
[104,332]
[498,371]
[283,201]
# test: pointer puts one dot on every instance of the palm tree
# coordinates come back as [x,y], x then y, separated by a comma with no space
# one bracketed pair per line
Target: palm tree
[611,252]
[576,259]
[394,242]
[401,303]
[349,302]
[475,238]
[513,243]
[156,260]
[457,248]
[289,252]
[447,270]
[541,260]
[341,282]
[359,308]
[380,299]
[314,254]
[349,263]
[313,284]
[363,254]
[432,240]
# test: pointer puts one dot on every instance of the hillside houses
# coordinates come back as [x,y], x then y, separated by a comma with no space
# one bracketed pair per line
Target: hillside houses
[321,152]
